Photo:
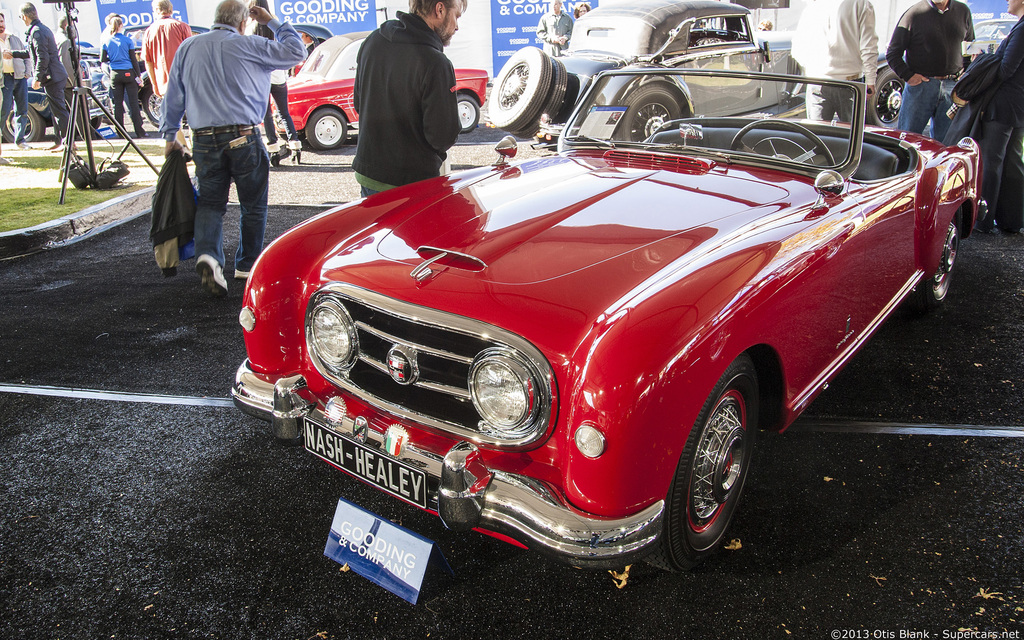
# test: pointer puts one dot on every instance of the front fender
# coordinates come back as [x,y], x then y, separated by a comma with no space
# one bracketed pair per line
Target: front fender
[945,187]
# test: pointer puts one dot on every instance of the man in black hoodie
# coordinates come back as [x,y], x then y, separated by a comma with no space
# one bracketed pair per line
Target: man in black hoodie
[405,97]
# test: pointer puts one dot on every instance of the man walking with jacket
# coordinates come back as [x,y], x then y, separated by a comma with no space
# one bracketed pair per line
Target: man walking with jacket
[224,79]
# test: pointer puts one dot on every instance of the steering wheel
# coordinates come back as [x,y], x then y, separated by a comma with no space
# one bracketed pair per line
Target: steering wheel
[818,147]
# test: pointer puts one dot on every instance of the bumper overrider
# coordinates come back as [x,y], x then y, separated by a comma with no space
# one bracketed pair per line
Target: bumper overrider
[463,491]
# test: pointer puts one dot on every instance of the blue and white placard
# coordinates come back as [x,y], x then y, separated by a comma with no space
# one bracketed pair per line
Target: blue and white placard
[380,550]
[136,13]
[514,25]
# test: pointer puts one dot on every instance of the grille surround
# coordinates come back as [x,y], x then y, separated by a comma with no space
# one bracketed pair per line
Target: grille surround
[446,345]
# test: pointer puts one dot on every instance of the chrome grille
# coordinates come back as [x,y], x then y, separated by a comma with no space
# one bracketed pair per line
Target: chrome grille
[445,347]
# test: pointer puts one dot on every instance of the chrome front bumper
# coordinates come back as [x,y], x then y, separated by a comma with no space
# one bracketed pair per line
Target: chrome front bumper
[467,494]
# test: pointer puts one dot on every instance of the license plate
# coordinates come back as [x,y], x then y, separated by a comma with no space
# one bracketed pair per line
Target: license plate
[385,473]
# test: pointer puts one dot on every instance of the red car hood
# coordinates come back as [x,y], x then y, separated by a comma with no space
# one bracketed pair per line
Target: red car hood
[556,216]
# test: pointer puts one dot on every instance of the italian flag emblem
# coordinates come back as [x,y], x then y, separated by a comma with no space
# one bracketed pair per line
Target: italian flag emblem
[395,439]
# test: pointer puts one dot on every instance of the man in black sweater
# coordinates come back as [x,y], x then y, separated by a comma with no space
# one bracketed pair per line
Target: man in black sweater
[405,96]
[926,50]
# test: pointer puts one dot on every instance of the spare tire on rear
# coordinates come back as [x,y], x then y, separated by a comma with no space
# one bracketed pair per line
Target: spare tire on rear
[521,91]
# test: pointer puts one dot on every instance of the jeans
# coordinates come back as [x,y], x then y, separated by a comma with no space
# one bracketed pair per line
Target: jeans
[927,101]
[217,164]
[15,92]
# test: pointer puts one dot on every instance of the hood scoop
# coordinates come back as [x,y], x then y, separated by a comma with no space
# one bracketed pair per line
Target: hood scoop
[434,257]
[660,162]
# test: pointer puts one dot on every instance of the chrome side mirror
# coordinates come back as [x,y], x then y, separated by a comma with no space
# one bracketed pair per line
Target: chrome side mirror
[828,182]
[507,148]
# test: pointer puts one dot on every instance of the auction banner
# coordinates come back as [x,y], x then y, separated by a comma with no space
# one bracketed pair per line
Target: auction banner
[514,24]
[340,16]
[988,9]
[136,13]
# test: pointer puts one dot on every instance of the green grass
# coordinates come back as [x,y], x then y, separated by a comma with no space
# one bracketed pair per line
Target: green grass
[28,207]
[30,185]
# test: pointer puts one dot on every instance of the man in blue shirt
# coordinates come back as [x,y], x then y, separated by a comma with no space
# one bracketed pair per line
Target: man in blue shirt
[221,79]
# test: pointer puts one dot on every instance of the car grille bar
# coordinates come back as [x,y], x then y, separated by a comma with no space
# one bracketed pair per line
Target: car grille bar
[445,347]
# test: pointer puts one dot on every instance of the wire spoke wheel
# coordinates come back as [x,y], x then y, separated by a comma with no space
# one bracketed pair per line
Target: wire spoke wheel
[712,470]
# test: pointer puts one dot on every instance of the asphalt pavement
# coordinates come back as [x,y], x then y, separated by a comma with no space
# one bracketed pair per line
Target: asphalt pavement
[137,503]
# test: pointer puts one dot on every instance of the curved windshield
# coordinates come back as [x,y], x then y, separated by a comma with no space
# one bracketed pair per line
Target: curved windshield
[735,117]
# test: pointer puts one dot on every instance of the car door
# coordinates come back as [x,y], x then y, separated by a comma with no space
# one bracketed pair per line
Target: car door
[725,42]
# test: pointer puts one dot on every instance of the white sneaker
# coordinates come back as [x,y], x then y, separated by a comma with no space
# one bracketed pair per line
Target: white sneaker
[4,161]
[212,275]
[24,145]
[241,275]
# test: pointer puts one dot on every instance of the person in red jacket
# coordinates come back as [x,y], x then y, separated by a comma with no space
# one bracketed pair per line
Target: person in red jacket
[160,42]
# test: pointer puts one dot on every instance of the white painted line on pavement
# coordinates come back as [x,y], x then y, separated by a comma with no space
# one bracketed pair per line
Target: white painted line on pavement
[801,425]
[115,396]
[855,426]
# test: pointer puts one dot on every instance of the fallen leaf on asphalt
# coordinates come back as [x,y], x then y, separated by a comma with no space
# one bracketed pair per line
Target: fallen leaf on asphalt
[344,568]
[621,578]
[828,479]
[734,545]
[989,595]
[878,579]
[147,607]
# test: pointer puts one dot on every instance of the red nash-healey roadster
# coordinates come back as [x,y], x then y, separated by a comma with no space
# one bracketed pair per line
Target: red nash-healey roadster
[577,352]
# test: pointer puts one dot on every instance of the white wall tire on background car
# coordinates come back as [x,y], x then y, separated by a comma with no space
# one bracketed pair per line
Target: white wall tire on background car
[712,470]
[469,112]
[326,129]
[520,91]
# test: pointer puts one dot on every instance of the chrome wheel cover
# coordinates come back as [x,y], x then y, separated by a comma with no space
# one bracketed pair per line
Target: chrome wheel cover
[649,119]
[514,85]
[889,102]
[718,461]
[940,282]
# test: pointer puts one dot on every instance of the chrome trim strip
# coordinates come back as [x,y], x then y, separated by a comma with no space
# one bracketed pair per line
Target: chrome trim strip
[432,386]
[425,316]
[383,335]
[519,507]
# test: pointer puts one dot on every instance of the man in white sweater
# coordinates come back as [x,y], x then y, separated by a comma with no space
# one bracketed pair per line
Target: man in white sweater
[836,39]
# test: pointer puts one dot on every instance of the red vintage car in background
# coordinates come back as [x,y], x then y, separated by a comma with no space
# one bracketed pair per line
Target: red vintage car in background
[320,95]
[578,352]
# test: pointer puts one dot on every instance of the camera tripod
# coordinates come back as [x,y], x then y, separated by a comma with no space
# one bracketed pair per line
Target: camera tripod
[80,110]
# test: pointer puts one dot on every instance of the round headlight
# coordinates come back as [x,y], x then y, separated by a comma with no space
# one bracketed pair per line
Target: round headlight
[504,391]
[332,335]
